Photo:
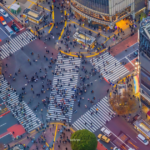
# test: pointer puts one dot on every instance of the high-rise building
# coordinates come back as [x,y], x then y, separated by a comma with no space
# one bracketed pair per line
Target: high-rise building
[105,12]
[144,48]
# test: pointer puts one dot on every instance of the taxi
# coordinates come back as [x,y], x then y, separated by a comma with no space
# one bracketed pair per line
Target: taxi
[104,138]
[2,20]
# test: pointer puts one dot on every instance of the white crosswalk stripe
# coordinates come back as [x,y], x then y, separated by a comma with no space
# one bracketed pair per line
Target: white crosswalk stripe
[107,67]
[16,44]
[96,120]
[64,86]
[21,111]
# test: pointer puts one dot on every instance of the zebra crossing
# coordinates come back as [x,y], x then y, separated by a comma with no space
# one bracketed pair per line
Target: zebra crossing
[21,111]
[97,120]
[109,67]
[16,44]
[64,86]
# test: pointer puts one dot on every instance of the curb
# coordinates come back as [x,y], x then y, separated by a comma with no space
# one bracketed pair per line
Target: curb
[96,54]
[5,113]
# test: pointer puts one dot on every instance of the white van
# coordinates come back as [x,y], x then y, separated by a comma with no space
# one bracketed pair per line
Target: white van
[143,139]
[106,131]
[9,30]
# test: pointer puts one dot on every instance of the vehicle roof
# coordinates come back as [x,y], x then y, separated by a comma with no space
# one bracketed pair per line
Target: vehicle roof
[141,137]
[107,131]
[99,135]
[2,10]
[103,128]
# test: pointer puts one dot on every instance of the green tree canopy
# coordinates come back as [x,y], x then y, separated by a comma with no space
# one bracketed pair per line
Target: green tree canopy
[83,140]
[143,15]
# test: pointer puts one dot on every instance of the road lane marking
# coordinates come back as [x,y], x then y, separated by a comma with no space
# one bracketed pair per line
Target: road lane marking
[2,125]
[65,24]
[5,33]
[118,137]
[5,135]
[128,55]
[129,61]
[55,136]
[12,3]
[56,123]
[10,18]
[38,5]
[30,5]
[51,28]
[133,144]
[131,138]
[46,143]
[62,30]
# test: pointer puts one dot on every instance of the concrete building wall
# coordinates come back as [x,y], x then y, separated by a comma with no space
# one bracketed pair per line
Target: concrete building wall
[119,5]
[139,4]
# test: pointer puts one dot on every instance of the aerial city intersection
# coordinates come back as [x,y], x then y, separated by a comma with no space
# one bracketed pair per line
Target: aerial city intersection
[74,75]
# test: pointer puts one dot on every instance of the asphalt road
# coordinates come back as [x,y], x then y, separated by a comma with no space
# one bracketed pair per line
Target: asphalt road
[127,54]
[20,60]
[119,125]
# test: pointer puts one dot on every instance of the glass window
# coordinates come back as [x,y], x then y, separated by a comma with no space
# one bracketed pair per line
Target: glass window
[98,5]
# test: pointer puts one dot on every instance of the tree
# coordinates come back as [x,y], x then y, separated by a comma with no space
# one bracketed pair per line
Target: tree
[83,140]
[143,15]
[125,103]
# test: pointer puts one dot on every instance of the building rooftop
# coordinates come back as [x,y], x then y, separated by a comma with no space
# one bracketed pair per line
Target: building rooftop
[33,14]
[15,6]
[85,38]
[145,27]
[143,126]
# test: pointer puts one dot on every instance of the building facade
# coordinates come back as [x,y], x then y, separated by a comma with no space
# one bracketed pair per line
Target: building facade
[106,12]
[144,48]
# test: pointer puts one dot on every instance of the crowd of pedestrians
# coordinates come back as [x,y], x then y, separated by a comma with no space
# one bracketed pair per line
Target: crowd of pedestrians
[42,76]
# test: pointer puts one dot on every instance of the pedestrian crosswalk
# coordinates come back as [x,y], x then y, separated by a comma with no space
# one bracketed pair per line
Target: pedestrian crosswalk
[63,89]
[109,67]
[16,44]
[91,120]
[21,111]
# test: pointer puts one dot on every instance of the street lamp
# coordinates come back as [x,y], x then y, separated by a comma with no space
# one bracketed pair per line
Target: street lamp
[137,67]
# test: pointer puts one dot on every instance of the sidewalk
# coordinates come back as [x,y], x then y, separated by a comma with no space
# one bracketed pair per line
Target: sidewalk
[115,50]
[106,37]
[27,139]
[49,137]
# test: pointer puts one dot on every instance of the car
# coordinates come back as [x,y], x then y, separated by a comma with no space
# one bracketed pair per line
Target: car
[15,28]
[142,139]
[106,131]
[135,54]
[2,20]
[104,138]
[115,148]
[3,12]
